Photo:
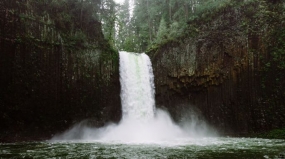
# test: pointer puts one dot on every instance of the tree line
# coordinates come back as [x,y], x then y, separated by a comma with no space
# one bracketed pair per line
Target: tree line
[147,22]
[142,24]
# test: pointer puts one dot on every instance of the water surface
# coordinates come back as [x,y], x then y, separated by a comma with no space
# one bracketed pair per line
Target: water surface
[191,148]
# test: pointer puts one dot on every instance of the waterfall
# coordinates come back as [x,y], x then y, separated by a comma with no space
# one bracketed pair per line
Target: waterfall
[141,121]
[137,86]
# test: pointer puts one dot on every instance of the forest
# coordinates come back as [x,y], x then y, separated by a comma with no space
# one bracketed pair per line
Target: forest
[59,62]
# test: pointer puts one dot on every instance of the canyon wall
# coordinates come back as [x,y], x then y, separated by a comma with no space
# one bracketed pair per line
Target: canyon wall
[221,67]
[53,72]
[229,67]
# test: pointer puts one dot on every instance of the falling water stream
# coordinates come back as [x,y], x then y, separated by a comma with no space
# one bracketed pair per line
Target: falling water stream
[144,131]
[137,87]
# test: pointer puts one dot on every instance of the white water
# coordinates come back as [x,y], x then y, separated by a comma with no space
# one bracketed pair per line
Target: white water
[141,121]
[137,87]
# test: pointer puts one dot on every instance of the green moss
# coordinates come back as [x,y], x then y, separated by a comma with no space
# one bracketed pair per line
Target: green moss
[273,134]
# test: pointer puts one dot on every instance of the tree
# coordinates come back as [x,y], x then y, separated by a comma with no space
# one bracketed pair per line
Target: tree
[151,19]
[108,17]
[162,31]
[123,28]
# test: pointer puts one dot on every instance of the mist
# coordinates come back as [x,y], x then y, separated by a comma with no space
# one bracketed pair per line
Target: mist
[160,129]
[141,121]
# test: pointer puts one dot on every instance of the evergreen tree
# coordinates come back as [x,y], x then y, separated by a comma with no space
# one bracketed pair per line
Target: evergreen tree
[152,20]
[162,31]
[123,28]
[107,17]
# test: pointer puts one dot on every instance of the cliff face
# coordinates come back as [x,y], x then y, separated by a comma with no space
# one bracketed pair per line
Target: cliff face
[53,72]
[221,67]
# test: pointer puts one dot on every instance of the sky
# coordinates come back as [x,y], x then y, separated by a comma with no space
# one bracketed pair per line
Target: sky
[119,1]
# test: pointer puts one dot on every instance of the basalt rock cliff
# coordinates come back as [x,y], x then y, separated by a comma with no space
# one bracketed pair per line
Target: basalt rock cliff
[228,65]
[54,72]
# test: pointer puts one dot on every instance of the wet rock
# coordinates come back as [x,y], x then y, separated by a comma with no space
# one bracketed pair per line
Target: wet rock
[219,71]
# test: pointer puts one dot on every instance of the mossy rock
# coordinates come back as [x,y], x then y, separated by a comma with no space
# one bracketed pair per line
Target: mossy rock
[274,134]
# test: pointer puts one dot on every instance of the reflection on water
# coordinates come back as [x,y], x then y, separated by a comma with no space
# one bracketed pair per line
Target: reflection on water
[196,148]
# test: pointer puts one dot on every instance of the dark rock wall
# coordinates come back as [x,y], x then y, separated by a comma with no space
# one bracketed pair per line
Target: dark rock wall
[218,67]
[51,78]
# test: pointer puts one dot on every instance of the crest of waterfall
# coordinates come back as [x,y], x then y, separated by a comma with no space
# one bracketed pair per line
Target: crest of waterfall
[137,86]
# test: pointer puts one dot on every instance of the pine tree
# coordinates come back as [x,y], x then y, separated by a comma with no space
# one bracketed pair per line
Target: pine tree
[123,25]
[150,20]
[107,17]
[162,31]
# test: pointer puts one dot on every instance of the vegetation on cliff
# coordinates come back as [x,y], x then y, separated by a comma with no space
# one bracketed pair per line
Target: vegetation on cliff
[273,134]
[153,22]
[228,63]
[59,64]
[144,24]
